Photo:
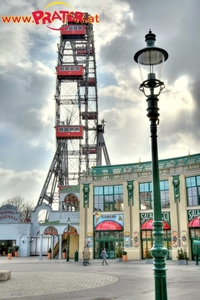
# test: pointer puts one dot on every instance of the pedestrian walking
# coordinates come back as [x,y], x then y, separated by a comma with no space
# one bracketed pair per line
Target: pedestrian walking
[104,255]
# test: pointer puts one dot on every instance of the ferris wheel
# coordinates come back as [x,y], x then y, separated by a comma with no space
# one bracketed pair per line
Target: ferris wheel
[79,136]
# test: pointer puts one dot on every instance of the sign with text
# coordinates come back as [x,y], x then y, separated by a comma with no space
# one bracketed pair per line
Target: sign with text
[9,214]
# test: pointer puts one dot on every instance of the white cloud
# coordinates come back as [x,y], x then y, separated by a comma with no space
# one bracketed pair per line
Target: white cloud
[27,184]
[27,83]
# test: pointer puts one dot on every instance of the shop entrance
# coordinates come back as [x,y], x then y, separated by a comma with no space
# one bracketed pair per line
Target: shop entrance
[108,240]
[4,244]
[147,242]
[195,236]
[109,246]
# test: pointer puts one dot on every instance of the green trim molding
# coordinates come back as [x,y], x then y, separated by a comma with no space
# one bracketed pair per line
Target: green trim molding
[86,192]
[130,187]
[176,184]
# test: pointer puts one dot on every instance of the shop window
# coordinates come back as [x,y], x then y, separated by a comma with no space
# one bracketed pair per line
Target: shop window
[195,233]
[164,194]
[108,198]
[98,203]
[146,195]
[147,241]
[193,190]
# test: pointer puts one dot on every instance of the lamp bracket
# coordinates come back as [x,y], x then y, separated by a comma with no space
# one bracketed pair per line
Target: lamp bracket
[152,84]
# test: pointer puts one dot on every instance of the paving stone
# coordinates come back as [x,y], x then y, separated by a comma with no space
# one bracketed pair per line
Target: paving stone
[5,275]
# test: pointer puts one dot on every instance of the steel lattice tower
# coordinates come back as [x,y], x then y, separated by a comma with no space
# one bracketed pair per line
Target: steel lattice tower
[76,110]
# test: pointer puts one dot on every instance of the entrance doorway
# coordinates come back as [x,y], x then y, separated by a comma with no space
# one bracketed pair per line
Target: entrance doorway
[195,236]
[108,240]
[147,242]
[109,246]
[4,244]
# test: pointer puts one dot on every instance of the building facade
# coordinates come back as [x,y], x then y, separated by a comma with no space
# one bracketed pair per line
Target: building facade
[116,207]
[112,208]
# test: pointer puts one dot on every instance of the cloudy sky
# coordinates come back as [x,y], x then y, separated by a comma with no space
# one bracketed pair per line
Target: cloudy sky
[27,85]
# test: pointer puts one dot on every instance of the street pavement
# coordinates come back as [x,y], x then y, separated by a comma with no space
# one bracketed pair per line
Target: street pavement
[44,279]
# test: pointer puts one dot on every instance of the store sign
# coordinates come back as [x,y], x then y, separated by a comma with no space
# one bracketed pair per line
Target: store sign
[98,218]
[193,214]
[9,214]
[147,216]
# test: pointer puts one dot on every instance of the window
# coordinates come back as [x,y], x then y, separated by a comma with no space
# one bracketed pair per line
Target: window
[108,198]
[98,190]
[193,190]
[164,194]
[99,203]
[146,199]
[108,190]
[60,129]
[146,195]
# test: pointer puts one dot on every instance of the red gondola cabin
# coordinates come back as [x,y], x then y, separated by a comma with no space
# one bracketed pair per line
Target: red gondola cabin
[92,149]
[91,82]
[70,71]
[82,51]
[69,132]
[73,31]
[91,115]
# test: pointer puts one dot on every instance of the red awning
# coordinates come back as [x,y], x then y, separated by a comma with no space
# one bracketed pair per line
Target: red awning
[194,223]
[148,224]
[109,225]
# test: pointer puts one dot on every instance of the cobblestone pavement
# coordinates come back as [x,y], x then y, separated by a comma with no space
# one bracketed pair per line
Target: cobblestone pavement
[31,277]
[41,283]
[34,279]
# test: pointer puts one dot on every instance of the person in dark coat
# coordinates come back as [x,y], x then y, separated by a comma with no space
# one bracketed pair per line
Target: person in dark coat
[104,255]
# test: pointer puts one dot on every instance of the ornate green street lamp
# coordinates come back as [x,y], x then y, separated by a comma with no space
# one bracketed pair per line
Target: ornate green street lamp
[150,60]
[68,237]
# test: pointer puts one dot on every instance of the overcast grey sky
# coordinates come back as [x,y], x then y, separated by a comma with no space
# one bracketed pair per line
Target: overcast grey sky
[27,85]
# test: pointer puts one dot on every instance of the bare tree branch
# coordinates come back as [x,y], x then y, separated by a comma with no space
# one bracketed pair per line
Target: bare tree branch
[24,207]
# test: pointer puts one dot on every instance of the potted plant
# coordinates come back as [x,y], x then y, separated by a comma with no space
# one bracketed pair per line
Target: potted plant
[64,253]
[118,254]
[182,257]
[124,256]
[10,251]
[149,257]
[16,249]
[49,253]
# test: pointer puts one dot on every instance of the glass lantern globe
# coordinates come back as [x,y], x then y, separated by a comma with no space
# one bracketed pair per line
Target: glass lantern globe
[150,59]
